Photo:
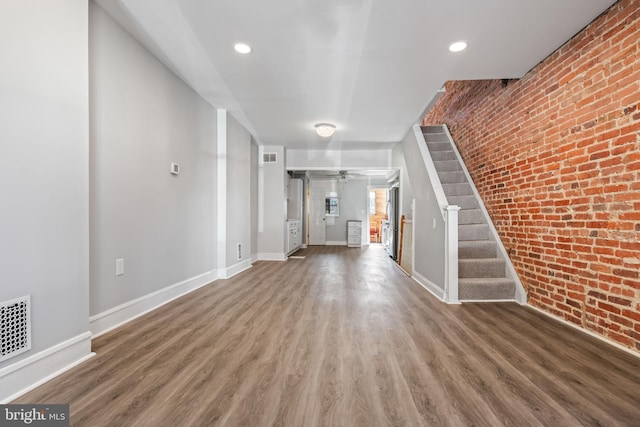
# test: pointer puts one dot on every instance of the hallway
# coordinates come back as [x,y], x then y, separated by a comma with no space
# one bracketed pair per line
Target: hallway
[343,337]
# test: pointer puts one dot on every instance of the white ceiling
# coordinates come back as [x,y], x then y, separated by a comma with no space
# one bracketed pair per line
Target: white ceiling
[370,67]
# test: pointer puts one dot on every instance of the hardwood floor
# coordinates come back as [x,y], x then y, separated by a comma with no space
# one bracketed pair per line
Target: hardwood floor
[344,338]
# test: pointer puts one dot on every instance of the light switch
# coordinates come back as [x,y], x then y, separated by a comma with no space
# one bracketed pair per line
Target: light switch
[119,266]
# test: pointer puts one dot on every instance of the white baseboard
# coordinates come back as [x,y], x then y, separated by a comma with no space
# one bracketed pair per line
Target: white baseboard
[117,316]
[586,331]
[521,294]
[336,243]
[226,273]
[429,285]
[27,374]
[272,256]
[480,301]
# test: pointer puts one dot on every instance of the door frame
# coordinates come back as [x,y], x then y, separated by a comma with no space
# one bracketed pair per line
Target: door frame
[311,218]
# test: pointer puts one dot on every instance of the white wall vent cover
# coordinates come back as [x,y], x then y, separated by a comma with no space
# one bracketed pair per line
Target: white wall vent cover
[15,327]
[269,158]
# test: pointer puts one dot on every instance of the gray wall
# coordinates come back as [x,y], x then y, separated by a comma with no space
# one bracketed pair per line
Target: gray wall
[44,182]
[406,199]
[238,189]
[353,197]
[429,255]
[142,119]
[353,206]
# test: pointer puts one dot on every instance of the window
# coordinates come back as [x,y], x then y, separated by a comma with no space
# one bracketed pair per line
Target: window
[332,206]
[372,202]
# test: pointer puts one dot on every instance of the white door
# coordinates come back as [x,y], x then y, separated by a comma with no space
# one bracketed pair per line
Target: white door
[317,221]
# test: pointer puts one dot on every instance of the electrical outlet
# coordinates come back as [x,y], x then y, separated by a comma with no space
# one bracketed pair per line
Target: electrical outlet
[119,266]
[434,223]
[239,251]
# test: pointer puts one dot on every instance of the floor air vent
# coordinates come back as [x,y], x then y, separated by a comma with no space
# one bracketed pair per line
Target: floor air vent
[15,327]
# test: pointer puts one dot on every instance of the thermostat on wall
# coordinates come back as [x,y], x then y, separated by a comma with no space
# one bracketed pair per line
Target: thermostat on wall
[175,169]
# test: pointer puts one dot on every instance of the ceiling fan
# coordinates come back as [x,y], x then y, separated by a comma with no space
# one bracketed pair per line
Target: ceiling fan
[343,176]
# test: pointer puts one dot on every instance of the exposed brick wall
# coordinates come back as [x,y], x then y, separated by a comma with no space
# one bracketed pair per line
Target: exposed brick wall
[556,158]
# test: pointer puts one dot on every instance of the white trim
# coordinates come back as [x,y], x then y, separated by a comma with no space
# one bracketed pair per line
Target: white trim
[272,256]
[117,316]
[27,374]
[429,286]
[432,172]
[228,272]
[451,257]
[221,187]
[486,300]
[335,243]
[260,191]
[586,331]
[413,239]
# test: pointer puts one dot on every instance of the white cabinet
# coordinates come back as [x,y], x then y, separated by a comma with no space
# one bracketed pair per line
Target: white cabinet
[294,240]
[354,234]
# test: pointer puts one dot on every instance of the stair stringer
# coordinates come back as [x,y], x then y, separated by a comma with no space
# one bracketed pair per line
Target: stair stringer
[510,273]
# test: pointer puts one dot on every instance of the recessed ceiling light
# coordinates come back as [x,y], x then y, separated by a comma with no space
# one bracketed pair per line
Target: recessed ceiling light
[458,46]
[242,48]
[325,130]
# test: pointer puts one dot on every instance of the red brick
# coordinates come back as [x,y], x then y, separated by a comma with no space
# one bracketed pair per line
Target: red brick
[634,315]
[629,216]
[568,136]
[619,301]
[632,274]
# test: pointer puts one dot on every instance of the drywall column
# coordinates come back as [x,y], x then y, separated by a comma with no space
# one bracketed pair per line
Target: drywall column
[272,204]
[254,200]
[234,196]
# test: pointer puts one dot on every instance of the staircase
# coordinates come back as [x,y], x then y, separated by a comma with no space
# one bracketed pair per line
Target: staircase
[481,271]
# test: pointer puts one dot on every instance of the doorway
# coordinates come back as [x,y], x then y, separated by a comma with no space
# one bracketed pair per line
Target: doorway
[317,218]
[378,215]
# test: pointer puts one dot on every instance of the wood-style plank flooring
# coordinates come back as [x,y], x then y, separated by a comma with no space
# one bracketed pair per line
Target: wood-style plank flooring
[344,338]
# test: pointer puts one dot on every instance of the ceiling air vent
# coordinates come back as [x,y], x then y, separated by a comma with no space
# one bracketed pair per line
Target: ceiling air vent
[15,327]
[269,158]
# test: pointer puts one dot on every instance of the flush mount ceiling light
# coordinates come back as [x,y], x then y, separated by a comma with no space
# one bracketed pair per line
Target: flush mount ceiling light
[325,130]
[458,46]
[242,48]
